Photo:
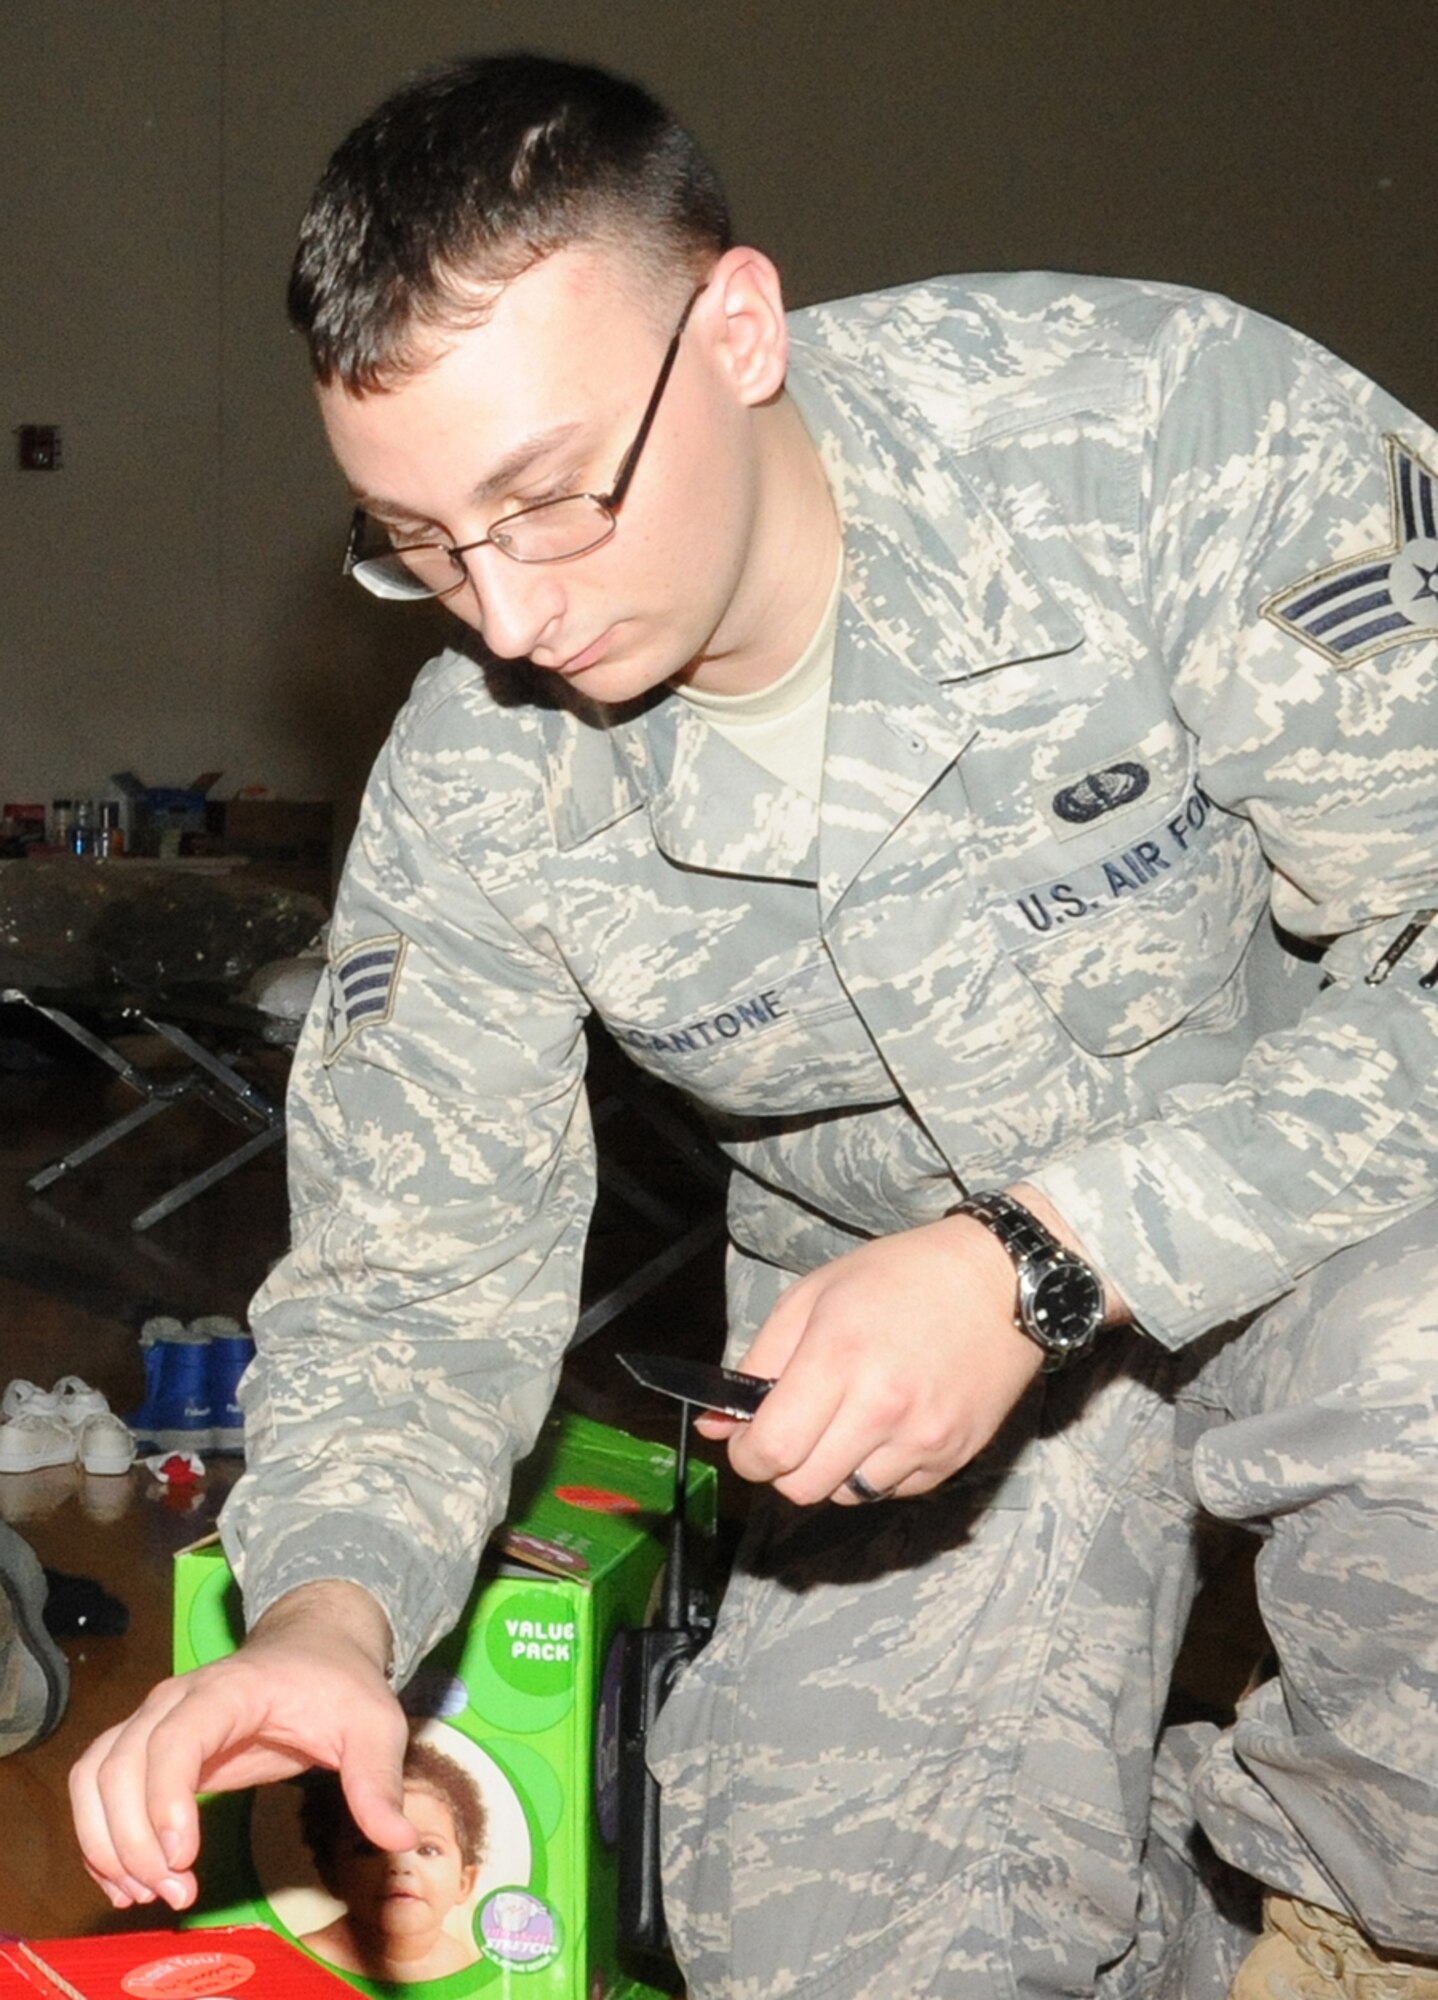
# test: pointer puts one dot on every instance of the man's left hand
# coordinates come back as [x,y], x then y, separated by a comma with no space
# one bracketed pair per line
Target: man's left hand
[898,1361]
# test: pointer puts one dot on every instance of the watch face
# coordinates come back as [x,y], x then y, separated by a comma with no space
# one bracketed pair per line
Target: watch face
[1064,1305]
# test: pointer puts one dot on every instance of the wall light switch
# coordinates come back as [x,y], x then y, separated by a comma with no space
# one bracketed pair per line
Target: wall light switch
[39,447]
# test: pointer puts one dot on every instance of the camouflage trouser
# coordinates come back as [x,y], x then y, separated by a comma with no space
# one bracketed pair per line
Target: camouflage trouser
[1328,1787]
[917,1758]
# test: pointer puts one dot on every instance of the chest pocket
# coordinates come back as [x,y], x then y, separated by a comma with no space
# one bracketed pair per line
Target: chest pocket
[789,1043]
[1129,943]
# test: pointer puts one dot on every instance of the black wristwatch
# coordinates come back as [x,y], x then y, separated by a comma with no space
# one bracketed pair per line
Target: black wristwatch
[1060,1301]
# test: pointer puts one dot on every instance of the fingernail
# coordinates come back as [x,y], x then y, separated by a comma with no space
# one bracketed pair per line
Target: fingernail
[170,1842]
[174,1891]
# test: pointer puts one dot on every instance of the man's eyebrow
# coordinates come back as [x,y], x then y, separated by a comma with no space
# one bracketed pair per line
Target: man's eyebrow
[538,445]
[389,512]
[515,461]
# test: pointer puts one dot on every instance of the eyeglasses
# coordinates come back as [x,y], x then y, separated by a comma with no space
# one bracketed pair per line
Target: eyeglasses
[552,531]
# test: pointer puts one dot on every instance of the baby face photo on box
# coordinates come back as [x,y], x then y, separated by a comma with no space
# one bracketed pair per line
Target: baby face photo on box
[404,1917]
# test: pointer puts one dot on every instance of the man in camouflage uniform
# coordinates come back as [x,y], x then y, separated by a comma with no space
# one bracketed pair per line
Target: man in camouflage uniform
[1111,893]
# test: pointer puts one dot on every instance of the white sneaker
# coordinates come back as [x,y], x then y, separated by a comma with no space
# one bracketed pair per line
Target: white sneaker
[71,1401]
[105,1444]
[23,1397]
[29,1441]
[79,1402]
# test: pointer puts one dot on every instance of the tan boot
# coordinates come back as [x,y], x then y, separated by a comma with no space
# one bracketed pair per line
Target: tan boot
[1309,1953]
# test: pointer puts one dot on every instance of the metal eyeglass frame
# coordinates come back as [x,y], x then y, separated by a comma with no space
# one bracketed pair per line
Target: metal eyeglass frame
[608,504]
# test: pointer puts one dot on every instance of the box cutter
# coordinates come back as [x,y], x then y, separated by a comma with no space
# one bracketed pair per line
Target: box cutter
[700,1383]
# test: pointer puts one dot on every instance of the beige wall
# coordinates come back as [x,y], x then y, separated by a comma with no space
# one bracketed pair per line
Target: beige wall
[169,600]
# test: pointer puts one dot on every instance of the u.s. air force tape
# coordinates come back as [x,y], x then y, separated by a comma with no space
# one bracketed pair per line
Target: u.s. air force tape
[1166,847]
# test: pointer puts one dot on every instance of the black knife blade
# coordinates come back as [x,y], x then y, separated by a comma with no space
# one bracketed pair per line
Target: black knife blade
[700,1383]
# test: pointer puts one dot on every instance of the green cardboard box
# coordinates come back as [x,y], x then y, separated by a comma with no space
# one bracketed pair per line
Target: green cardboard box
[521,1704]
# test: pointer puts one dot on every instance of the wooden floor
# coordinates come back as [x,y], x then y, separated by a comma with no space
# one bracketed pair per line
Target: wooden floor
[76,1284]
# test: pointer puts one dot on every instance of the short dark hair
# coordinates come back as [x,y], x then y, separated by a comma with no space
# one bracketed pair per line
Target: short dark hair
[325,1816]
[467,176]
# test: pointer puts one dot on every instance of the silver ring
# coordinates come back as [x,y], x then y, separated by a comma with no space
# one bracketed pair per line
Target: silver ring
[862,1490]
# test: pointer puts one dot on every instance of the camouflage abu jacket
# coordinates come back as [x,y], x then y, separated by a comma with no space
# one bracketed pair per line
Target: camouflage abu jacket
[1131,780]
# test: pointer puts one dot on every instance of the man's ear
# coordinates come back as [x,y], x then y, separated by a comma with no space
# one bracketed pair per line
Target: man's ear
[745,308]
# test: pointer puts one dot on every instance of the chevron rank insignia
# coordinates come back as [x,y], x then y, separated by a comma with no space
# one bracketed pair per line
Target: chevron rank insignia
[1384,596]
[363,981]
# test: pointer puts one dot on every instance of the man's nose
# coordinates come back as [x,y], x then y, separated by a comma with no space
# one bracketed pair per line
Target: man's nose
[516,603]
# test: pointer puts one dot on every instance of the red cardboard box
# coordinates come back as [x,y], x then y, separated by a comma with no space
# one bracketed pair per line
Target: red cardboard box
[242,1962]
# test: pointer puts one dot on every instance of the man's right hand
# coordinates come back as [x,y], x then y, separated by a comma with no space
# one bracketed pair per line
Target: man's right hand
[307,1687]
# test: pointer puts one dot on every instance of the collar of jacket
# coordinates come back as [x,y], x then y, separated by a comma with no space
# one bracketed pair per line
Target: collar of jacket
[935,592]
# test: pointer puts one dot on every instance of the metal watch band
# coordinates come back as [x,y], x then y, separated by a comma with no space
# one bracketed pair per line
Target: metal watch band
[1017,1228]
[1040,1260]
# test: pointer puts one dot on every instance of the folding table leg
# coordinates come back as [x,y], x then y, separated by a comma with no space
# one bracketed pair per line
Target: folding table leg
[120,1129]
[652,1272]
[156,1095]
[197,1183]
[210,1077]
[235,1087]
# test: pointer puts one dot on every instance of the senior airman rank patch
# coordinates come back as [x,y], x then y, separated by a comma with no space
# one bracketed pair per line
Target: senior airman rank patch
[363,982]
[1384,596]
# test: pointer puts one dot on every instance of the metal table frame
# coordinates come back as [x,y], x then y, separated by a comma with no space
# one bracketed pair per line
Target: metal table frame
[210,1078]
